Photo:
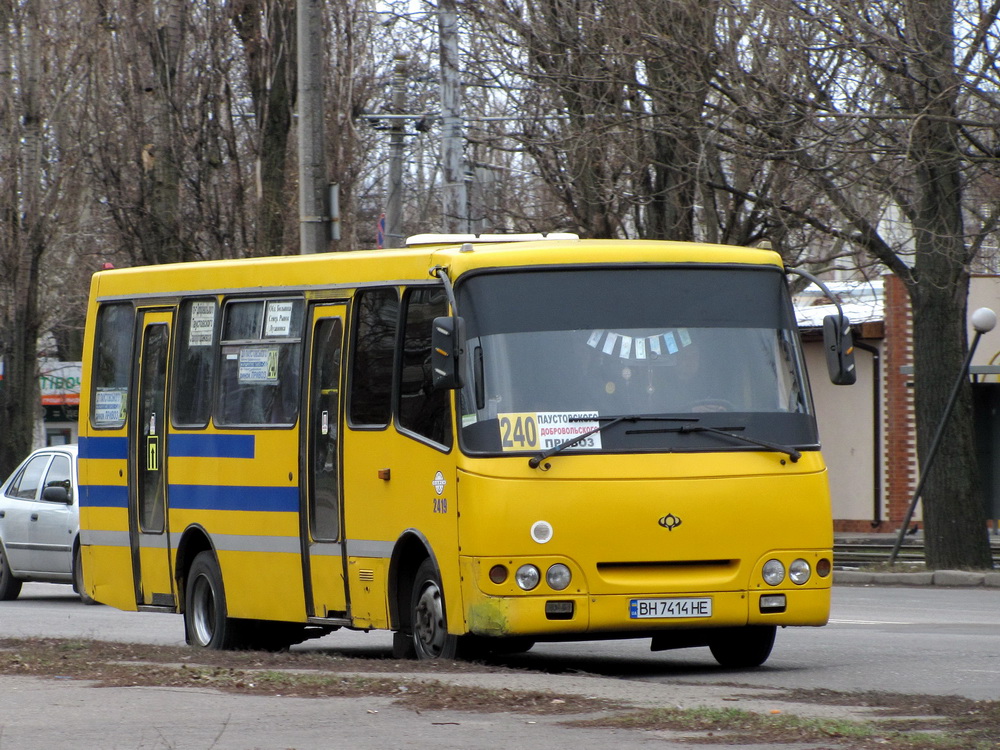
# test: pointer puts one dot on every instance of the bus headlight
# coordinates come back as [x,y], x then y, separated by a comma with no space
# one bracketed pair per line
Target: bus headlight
[799,571]
[527,577]
[773,573]
[558,577]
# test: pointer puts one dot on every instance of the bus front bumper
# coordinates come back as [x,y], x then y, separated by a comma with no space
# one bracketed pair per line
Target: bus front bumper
[630,615]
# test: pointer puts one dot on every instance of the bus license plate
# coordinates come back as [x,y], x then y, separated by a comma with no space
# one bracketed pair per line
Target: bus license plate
[641,609]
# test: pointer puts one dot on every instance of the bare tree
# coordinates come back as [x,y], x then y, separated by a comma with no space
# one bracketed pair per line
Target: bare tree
[885,112]
[35,166]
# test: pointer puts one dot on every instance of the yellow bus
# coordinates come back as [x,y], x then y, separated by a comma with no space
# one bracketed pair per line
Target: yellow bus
[475,444]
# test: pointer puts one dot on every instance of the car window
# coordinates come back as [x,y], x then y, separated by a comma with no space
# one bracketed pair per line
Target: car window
[59,474]
[26,484]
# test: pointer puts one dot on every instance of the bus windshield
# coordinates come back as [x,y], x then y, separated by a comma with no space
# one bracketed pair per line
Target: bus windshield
[553,354]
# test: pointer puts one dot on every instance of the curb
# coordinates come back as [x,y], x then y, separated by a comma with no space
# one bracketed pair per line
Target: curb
[950,578]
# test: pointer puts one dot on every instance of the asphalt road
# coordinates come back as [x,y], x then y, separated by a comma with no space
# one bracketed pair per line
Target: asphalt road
[943,641]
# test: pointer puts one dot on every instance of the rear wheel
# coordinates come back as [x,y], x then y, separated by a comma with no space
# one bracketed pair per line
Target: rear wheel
[206,620]
[10,586]
[743,648]
[431,639]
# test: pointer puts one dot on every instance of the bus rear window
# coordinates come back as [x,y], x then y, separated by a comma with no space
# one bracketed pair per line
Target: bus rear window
[112,366]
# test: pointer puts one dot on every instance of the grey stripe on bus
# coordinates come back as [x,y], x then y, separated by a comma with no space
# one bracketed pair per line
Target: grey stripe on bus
[246,543]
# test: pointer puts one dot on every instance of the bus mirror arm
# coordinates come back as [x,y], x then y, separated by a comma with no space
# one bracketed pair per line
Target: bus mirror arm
[838,341]
[447,340]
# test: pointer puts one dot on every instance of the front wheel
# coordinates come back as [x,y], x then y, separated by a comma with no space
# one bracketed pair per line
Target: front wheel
[431,639]
[206,620]
[743,648]
[10,586]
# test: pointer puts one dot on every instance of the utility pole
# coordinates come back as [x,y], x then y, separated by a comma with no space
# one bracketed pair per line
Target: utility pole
[455,204]
[394,201]
[313,214]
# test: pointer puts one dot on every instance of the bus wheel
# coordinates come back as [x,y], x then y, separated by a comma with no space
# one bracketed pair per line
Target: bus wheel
[431,639]
[10,586]
[78,577]
[206,621]
[743,648]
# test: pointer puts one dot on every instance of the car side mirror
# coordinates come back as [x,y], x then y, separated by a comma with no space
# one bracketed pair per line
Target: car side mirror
[838,342]
[446,342]
[56,493]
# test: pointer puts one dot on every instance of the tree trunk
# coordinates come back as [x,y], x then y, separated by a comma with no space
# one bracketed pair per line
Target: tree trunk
[267,30]
[954,512]
[165,34]
[680,66]
[23,243]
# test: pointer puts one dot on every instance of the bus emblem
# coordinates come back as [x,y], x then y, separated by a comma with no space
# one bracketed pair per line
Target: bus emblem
[439,482]
[670,522]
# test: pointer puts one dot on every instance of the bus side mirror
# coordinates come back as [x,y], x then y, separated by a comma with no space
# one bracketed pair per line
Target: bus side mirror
[446,341]
[839,346]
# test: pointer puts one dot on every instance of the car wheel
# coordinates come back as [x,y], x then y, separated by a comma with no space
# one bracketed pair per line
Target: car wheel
[78,586]
[743,648]
[10,586]
[206,621]
[431,639]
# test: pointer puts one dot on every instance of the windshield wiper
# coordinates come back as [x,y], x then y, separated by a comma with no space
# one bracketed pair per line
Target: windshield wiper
[605,422]
[731,432]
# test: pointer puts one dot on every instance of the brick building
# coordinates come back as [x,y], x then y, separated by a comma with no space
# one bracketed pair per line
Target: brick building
[868,429]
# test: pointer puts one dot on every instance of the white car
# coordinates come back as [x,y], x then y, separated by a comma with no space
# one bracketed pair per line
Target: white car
[40,523]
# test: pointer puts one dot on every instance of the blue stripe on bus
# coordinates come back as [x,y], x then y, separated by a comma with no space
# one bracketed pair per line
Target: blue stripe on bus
[200,497]
[205,445]
[209,445]
[103,496]
[224,497]
[103,447]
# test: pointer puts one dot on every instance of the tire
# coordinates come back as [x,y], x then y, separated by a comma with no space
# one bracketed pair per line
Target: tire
[743,648]
[78,586]
[431,639]
[206,620]
[10,586]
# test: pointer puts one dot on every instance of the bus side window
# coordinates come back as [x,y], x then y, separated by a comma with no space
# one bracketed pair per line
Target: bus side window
[194,365]
[259,368]
[112,365]
[376,314]
[422,409]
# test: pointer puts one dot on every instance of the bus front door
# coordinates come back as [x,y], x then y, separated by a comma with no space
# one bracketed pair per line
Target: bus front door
[148,531]
[321,525]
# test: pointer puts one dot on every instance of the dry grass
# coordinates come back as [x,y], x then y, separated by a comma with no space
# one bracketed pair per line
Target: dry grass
[906,722]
